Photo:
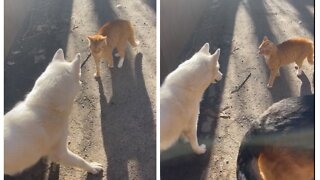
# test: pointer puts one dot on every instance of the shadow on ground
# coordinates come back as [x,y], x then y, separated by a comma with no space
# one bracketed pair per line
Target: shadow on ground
[128,125]
[104,11]
[152,4]
[305,88]
[307,19]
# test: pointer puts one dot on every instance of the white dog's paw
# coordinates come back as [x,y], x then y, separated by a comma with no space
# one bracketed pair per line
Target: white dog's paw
[200,149]
[117,55]
[269,86]
[95,167]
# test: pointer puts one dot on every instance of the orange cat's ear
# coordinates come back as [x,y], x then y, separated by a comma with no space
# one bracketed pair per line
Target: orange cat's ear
[265,38]
[91,38]
[104,38]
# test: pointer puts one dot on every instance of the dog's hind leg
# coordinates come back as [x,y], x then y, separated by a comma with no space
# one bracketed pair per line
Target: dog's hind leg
[191,135]
[65,156]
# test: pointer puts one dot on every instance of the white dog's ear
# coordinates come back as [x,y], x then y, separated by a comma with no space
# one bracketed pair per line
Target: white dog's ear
[216,55]
[205,48]
[58,56]
[76,63]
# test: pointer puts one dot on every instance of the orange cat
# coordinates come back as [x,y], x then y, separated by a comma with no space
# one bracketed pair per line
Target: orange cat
[285,164]
[292,50]
[111,35]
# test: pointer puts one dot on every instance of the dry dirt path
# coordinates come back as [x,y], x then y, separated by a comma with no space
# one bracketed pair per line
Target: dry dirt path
[237,27]
[114,117]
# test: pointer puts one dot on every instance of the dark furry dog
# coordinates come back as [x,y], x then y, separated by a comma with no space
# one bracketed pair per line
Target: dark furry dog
[280,145]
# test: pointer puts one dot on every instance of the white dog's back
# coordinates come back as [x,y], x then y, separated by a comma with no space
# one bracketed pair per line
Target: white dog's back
[181,94]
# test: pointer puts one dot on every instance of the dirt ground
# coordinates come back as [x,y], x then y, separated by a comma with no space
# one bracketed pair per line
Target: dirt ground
[238,27]
[114,118]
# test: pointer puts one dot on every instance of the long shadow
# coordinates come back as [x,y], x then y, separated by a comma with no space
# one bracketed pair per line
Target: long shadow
[45,30]
[219,33]
[307,19]
[152,4]
[305,88]
[128,125]
[104,11]
[258,14]
[127,118]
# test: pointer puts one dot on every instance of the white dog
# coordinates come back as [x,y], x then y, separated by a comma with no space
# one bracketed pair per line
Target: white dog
[38,126]
[180,97]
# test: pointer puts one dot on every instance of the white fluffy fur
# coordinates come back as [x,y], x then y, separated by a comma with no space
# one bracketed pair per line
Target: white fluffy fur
[180,97]
[38,126]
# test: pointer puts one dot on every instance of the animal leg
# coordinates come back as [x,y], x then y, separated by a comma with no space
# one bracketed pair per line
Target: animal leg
[121,50]
[97,62]
[109,59]
[191,135]
[272,77]
[65,156]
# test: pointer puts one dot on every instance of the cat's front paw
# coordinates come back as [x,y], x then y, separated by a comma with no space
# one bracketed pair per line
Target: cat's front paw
[121,63]
[95,167]
[200,149]
[269,86]
[96,75]
[110,66]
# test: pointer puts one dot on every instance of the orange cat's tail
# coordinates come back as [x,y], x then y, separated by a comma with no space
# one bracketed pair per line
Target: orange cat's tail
[310,56]
[132,39]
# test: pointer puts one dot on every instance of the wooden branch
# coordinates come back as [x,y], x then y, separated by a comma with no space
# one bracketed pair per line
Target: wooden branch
[84,62]
[238,88]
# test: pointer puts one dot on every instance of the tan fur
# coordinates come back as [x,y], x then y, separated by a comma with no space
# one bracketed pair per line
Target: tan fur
[292,50]
[111,35]
[285,164]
